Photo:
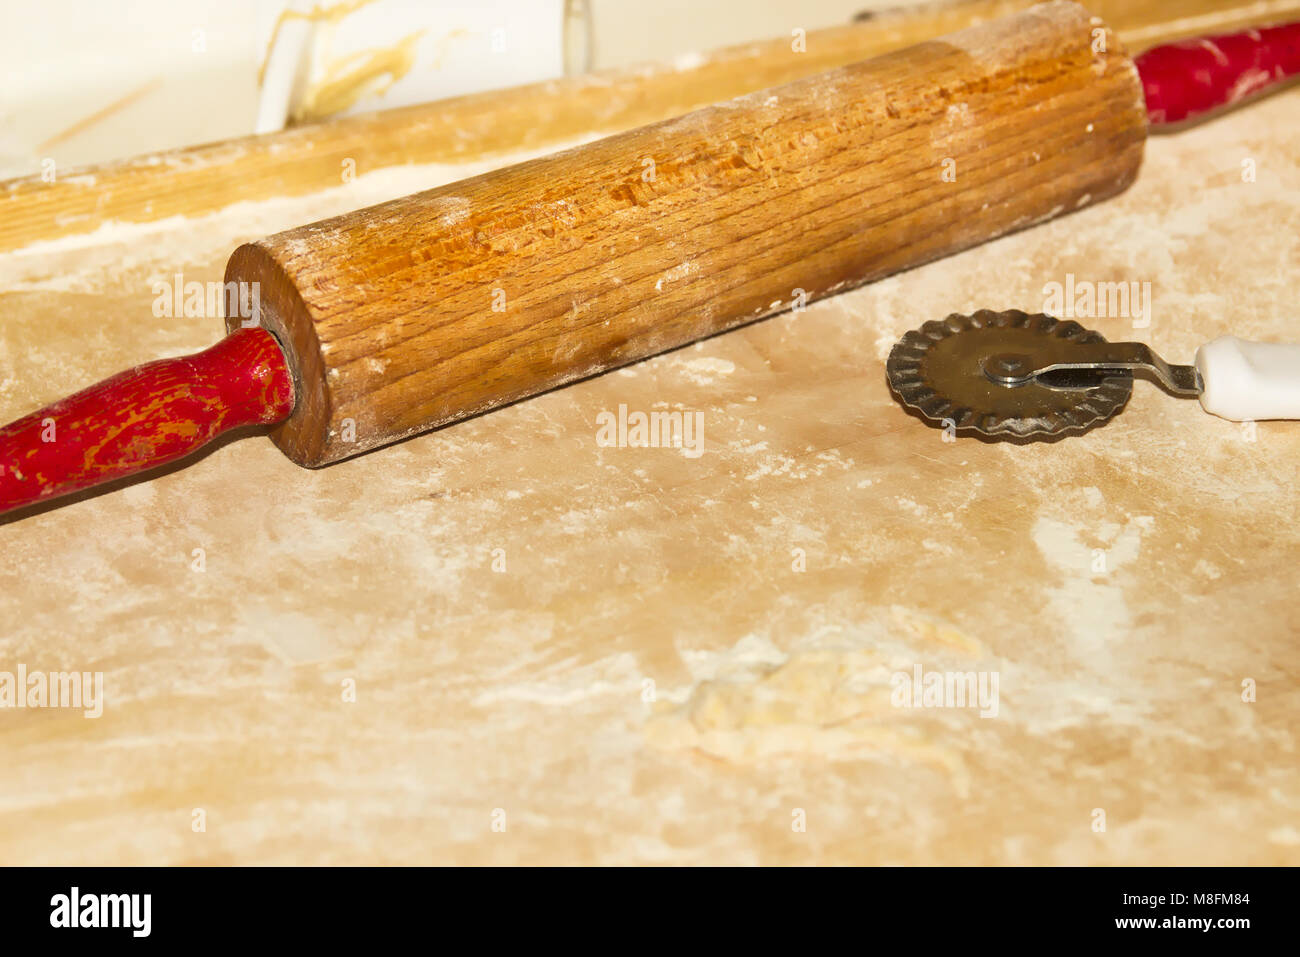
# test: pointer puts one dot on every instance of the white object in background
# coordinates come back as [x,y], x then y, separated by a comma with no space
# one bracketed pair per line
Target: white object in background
[1249,381]
[84,82]
[361,55]
[284,71]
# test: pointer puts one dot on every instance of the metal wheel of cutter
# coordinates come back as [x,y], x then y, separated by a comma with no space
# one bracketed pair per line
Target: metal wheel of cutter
[966,371]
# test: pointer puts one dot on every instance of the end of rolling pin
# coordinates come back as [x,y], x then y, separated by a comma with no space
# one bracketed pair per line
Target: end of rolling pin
[1186,81]
[145,417]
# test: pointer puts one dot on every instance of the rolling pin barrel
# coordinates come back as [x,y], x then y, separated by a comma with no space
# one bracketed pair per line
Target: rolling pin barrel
[421,311]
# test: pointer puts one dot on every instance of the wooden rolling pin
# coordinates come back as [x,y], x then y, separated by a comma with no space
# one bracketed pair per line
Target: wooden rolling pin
[413,314]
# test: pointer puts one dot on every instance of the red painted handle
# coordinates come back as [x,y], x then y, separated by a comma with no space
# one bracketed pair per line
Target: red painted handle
[145,417]
[1185,80]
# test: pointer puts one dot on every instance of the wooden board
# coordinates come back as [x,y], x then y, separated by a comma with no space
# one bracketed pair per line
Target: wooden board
[635,655]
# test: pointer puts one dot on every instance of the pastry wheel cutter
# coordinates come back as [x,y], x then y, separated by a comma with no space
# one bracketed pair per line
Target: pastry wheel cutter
[1015,376]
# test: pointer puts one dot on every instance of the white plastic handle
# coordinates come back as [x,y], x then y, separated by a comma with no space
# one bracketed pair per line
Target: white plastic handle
[1250,381]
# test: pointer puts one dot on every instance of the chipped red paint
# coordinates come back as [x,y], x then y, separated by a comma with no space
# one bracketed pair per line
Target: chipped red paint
[145,417]
[1183,81]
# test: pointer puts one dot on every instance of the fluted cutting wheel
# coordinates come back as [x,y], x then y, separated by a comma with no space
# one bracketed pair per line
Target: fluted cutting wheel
[938,371]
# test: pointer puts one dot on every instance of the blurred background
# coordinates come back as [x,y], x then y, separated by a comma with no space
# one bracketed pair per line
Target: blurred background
[90,81]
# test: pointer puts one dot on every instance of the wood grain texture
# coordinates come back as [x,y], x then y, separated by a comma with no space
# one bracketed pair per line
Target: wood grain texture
[299,161]
[425,310]
[142,418]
